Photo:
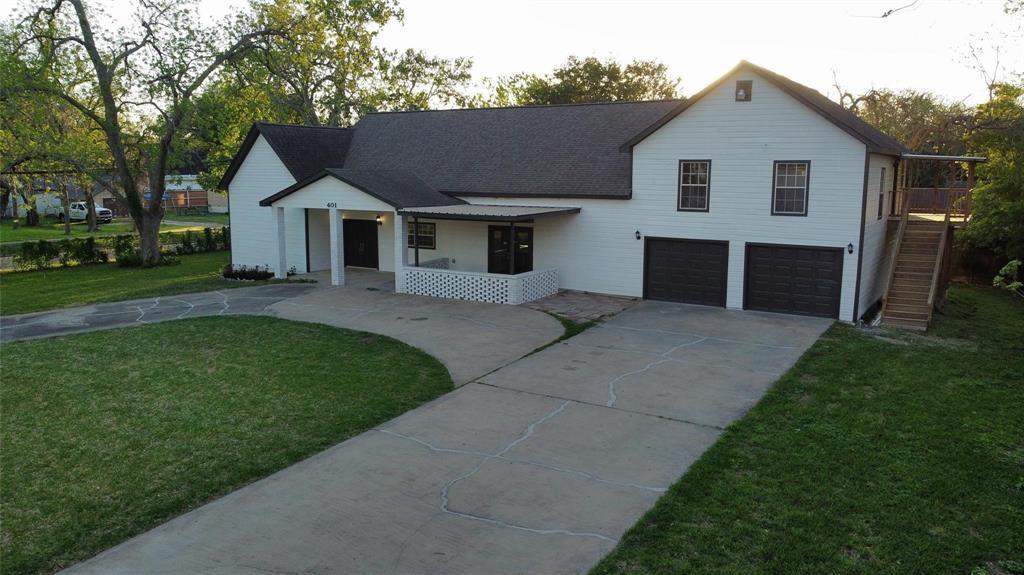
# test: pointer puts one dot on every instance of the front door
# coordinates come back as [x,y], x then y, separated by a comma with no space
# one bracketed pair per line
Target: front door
[500,249]
[360,243]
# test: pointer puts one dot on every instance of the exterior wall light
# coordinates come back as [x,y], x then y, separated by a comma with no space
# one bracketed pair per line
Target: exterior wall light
[638,234]
[849,248]
[380,220]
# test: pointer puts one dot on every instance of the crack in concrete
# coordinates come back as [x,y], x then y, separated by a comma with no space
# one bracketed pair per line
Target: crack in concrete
[485,457]
[226,303]
[517,460]
[727,340]
[612,398]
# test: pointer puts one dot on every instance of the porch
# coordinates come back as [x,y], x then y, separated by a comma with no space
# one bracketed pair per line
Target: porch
[506,274]
[435,245]
[948,198]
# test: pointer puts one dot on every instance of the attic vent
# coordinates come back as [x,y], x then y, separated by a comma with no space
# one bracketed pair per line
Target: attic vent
[743,88]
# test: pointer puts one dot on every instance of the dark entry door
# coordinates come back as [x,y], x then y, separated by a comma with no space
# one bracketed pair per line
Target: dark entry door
[360,243]
[686,271]
[500,248]
[794,279]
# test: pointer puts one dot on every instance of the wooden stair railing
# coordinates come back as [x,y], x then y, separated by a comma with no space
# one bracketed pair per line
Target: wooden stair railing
[939,262]
[900,232]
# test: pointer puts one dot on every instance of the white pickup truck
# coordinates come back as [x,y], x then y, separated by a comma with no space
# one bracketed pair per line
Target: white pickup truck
[80,211]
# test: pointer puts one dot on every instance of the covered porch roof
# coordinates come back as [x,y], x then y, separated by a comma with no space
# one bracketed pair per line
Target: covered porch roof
[488,213]
[398,188]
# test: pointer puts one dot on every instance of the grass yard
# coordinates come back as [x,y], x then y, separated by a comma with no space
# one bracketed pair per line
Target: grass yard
[104,440]
[23,292]
[50,229]
[208,219]
[896,455]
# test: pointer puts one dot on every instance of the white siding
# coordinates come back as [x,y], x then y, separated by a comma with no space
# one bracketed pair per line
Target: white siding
[354,204]
[875,265]
[465,242]
[319,240]
[252,240]
[596,250]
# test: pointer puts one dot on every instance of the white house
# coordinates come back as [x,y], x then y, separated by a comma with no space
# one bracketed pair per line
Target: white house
[755,193]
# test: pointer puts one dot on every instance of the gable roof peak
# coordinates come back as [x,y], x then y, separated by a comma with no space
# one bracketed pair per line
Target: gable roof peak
[875,140]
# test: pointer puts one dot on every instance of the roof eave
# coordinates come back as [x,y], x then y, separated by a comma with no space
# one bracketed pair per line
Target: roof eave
[239,157]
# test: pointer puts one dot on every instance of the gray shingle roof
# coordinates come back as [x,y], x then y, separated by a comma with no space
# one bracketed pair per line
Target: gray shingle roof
[544,151]
[304,150]
[399,188]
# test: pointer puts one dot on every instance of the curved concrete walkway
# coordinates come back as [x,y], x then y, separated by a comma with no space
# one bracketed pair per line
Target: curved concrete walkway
[470,338]
[538,467]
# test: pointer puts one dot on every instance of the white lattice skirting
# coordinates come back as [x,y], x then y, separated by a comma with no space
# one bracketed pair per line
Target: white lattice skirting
[473,286]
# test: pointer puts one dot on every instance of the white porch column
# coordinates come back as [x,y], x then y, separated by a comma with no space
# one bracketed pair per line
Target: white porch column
[337,248]
[281,270]
[401,251]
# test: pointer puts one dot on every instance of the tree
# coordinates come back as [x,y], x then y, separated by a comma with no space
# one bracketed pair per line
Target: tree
[327,70]
[922,121]
[589,80]
[997,213]
[135,84]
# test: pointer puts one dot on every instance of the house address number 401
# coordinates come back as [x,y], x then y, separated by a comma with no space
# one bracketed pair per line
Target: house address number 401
[332,204]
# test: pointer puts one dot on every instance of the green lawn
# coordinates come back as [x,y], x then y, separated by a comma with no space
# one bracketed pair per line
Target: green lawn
[211,219]
[51,229]
[23,292]
[108,434]
[869,456]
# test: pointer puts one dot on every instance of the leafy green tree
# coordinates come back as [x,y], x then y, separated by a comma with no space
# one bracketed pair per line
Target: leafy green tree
[136,85]
[327,69]
[922,121]
[997,213]
[582,80]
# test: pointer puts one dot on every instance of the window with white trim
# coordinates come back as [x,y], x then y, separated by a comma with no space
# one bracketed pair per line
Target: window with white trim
[694,185]
[789,188]
[425,233]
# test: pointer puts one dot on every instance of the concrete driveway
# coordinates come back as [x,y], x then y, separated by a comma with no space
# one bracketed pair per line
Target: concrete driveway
[538,467]
[469,338]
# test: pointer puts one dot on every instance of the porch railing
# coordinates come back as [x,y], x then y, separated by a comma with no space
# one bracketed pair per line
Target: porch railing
[477,286]
[957,201]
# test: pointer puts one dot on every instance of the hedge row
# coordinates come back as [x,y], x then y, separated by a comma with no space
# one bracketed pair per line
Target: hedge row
[123,248]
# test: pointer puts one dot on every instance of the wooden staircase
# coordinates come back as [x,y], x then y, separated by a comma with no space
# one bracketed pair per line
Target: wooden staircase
[912,285]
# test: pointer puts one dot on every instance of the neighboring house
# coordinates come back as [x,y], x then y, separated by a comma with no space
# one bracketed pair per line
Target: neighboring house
[756,193]
[182,193]
[46,197]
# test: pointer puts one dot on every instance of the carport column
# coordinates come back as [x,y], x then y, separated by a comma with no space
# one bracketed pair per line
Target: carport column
[281,270]
[337,248]
[401,251]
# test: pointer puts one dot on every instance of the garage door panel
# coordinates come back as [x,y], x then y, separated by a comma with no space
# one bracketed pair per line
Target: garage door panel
[687,271]
[794,279]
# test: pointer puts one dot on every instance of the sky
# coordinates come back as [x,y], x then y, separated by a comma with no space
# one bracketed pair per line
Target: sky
[924,46]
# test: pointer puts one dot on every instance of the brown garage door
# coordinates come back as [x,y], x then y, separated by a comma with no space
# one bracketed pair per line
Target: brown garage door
[794,279]
[687,271]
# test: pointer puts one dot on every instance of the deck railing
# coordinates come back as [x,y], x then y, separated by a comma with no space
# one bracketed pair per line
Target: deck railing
[933,201]
[479,286]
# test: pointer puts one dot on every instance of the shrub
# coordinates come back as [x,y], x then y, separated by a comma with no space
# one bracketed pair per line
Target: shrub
[37,255]
[233,272]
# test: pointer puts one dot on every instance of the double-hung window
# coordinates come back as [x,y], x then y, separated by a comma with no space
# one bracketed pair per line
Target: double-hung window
[424,233]
[694,185]
[789,188]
